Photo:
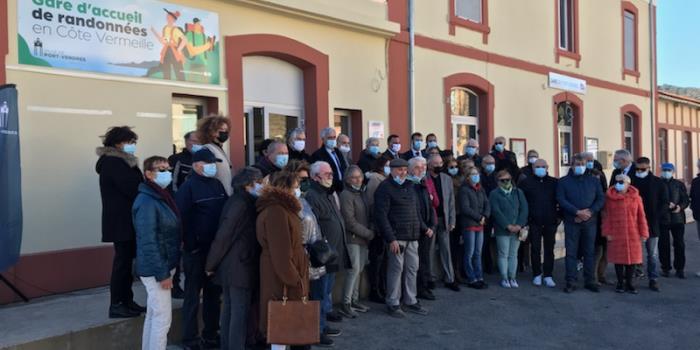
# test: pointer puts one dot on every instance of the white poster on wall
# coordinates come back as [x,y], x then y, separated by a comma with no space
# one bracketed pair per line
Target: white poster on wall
[376,129]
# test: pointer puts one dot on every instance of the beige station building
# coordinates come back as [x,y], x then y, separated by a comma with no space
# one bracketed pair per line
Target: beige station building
[678,127]
[558,76]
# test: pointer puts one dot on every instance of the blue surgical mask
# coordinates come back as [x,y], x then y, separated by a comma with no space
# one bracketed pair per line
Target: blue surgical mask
[396,147]
[590,164]
[489,168]
[297,192]
[500,147]
[642,174]
[452,171]
[129,148]
[330,143]
[281,160]
[255,191]
[475,179]
[667,174]
[387,170]
[163,179]
[579,169]
[399,180]
[617,165]
[374,150]
[470,150]
[196,148]
[540,172]
[619,187]
[417,145]
[413,178]
[532,160]
[432,144]
[209,169]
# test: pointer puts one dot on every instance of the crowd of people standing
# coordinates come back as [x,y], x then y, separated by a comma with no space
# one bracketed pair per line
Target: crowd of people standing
[409,219]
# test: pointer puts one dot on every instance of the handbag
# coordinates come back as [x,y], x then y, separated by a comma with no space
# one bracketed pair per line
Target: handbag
[321,253]
[293,322]
[522,235]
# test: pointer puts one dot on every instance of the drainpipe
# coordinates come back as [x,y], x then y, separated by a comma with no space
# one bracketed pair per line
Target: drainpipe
[411,66]
[652,78]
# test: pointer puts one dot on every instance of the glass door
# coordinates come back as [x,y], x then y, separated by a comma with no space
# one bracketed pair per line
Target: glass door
[266,122]
[463,129]
[565,124]
[185,114]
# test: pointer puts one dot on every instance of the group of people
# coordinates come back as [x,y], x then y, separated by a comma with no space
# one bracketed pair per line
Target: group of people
[411,219]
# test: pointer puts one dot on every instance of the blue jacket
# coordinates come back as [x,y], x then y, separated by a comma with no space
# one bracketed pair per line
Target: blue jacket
[575,193]
[157,235]
[200,201]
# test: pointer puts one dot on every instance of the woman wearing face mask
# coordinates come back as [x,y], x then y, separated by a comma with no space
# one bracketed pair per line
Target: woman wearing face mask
[234,257]
[377,267]
[625,228]
[283,260]
[119,182]
[213,132]
[474,210]
[509,216]
[157,225]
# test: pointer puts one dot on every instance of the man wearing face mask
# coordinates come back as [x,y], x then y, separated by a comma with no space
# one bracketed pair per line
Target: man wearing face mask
[623,164]
[505,159]
[330,154]
[654,195]
[580,198]
[182,162]
[442,193]
[369,155]
[393,143]
[276,158]
[396,219]
[296,143]
[416,145]
[673,225]
[471,152]
[428,220]
[322,199]
[532,157]
[200,201]
[489,183]
[344,148]
[540,189]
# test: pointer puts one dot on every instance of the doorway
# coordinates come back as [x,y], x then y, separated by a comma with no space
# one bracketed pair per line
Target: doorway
[267,122]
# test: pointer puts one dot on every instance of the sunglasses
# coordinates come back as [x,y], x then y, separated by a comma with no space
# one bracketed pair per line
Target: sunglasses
[504,180]
[499,143]
[620,182]
[641,170]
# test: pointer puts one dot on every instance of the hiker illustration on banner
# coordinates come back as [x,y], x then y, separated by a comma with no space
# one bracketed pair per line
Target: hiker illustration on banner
[138,38]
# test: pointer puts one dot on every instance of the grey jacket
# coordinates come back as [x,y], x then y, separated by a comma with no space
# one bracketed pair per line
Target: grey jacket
[310,233]
[473,204]
[353,206]
[448,196]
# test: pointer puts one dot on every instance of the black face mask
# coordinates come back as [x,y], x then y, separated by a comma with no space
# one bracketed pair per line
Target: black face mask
[223,136]
[438,169]
[305,185]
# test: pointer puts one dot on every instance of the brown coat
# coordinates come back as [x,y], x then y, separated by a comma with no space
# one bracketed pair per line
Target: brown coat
[283,260]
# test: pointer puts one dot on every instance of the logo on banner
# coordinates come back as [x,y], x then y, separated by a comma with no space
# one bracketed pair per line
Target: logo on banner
[4,115]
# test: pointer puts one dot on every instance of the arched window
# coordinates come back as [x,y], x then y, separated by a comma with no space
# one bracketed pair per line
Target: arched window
[629,133]
[469,109]
[464,104]
[568,130]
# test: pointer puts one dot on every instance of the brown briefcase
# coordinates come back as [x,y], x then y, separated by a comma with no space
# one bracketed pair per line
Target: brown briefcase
[293,322]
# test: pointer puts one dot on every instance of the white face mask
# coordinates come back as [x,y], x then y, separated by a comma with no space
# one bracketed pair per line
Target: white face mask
[344,148]
[396,147]
[299,145]
[643,174]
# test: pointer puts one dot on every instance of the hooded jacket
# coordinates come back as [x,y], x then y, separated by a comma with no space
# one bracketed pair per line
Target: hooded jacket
[625,226]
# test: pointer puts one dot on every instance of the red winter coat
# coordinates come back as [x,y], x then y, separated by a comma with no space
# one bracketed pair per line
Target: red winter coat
[625,226]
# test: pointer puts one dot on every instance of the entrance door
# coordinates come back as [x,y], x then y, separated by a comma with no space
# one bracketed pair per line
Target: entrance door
[565,124]
[268,122]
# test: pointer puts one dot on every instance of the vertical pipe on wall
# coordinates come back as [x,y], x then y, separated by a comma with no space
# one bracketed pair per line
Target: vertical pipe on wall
[652,78]
[411,67]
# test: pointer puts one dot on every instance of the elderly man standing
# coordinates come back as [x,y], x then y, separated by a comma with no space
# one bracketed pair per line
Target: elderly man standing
[344,148]
[369,155]
[673,225]
[540,189]
[623,164]
[505,159]
[396,218]
[428,221]
[580,198]
[442,193]
[321,198]
[275,159]
[296,141]
[471,152]
[330,154]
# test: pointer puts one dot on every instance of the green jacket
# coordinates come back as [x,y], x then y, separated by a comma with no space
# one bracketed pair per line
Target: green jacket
[507,209]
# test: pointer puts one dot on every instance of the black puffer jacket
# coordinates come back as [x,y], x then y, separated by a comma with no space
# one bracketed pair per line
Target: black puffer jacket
[655,198]
[677,194]
[473,204]
[541,194]
[395,210]
[120,178]
[695,197]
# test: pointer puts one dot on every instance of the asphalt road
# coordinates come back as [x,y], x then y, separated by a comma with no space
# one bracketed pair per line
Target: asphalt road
[541,318]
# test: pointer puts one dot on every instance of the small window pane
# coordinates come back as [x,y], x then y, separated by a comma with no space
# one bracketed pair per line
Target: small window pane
[628,123]
[469,9]
[463,102]
[564,24]
[630,44]
[663,146]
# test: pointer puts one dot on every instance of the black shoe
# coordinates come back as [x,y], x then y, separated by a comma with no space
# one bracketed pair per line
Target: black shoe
[654,285]
[177,292]
[214,343]
[570,288]
[416,308]
[121,310]
[376,297]
[665,273]
[680,274]
[333,316]
[431,285]
[474,285]
[631,289]
[452,286]
[325,342]
[191,347]
[426,294]
[135,307]
[332,332]
[482,285]
[620,288]
[592,287]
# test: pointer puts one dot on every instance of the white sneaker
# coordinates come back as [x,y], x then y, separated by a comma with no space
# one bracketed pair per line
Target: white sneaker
[549,282]
[537,280]
[505,284]
[514,284]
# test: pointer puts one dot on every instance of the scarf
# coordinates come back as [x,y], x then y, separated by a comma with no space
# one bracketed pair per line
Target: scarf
[167,197]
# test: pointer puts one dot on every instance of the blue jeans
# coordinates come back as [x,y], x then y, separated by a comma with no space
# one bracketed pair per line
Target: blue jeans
[319,291]
[583,235]
[651,246]
[508,255]
[234,317]
[473,242]
[197,281]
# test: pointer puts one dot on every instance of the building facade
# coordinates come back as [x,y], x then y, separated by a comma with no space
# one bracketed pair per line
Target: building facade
[677,134]
[558,76]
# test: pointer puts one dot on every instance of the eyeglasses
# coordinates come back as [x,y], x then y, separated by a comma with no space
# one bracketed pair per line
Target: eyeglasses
[620,182]
[499,143]
[641,170]
[504,180]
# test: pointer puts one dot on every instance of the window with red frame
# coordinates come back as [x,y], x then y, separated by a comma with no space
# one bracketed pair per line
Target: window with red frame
[470,10]
[567,26]
[630,40]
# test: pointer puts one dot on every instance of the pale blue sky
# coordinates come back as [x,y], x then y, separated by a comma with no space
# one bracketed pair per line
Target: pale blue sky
[678,42]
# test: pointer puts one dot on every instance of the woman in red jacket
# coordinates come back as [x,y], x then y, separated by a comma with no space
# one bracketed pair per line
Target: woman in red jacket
[625,227]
